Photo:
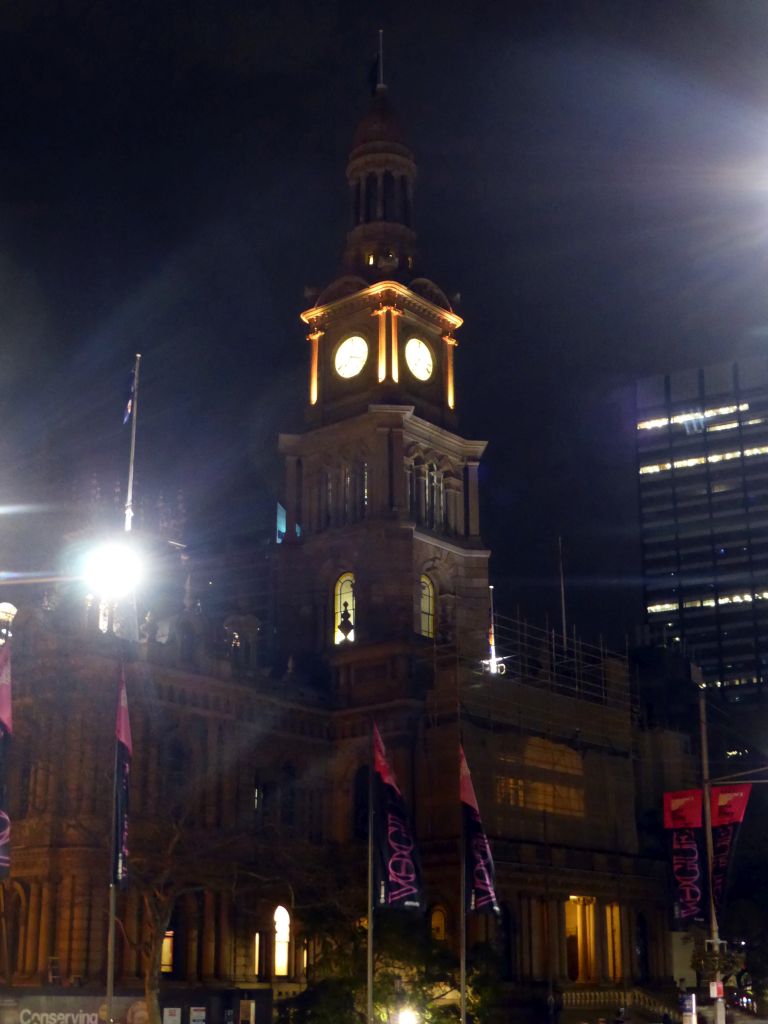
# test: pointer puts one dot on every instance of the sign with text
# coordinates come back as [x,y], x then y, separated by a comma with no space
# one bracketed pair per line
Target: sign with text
[683,812]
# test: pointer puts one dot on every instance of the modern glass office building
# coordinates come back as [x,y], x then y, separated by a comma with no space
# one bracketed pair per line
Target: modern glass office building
[702,463]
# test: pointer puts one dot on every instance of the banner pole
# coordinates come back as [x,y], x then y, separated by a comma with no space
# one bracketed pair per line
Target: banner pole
[713,929]
[110,993]
[463,923]
[4,934]
[369,950]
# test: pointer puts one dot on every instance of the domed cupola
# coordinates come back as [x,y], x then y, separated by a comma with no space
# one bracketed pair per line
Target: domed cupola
[381,173]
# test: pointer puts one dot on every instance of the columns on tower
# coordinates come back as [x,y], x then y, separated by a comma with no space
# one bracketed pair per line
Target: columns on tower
[450,345]
[381,313]
[395,367]
[314,338]
[473,500]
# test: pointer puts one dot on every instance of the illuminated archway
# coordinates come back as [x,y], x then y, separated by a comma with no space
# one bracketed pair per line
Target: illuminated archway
[344,609]
[426,606]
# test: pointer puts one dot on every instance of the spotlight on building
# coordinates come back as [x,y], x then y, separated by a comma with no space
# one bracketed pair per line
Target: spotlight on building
[112,570]
[407,1016]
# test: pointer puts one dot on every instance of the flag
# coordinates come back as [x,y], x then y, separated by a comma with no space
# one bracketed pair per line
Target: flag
[479,873]
[123,754]
[128,411]
[728,805]
[6,728]
[682,817]
[397,872]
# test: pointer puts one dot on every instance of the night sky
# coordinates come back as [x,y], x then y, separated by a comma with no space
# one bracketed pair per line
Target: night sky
[593,182]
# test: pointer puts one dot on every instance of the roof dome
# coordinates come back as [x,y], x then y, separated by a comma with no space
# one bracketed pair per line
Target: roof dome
[380,123]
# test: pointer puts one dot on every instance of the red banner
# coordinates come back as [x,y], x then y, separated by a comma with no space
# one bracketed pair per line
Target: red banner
[397,871]
[728,805]
[683,816]
[123,752]
[479,874]
[683,809]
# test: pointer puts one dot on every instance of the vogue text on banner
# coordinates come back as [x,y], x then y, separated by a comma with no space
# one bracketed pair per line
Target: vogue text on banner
[683,818]
[397,871]
[728,805]
[479,885]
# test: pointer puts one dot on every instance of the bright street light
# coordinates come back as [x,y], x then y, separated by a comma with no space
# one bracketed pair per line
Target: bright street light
[112,570]
[407,1016]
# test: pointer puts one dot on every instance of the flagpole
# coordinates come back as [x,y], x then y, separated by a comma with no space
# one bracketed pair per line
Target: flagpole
[463,919]
[369,951]
[112,889]
[132,457]
[4,936]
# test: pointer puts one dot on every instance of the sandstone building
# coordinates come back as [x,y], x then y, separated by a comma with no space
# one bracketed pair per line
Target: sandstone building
[259,729]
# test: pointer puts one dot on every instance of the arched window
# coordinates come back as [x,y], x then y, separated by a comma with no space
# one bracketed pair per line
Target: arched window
[344,609]
[282,942]
[369,212]
[389,196]
[433,513]
[405,203]
[437,924]
[427,607]
[288,796]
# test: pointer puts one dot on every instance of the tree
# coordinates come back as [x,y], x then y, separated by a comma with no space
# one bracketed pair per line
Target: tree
[411,969]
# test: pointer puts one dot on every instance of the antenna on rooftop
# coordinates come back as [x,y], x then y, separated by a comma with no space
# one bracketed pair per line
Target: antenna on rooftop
[380,61]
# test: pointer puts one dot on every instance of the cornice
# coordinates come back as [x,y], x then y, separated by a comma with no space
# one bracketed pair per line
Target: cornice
[382,291]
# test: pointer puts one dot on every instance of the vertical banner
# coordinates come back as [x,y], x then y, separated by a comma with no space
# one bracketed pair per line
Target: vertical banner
[480,887]
[728,805]
[6,728]
[683,817]
[123,754]
[397,872]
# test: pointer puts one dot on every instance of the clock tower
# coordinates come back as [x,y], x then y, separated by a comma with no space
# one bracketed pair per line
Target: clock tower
[382,556]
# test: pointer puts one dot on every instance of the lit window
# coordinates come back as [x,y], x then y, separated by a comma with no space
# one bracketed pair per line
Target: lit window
[437,924]
[580,946]
[664,606]
[613,940]
[7,612]
[687,417]
[370,259]
[282,941]
[427,607]
[663,467]
[166,954]
[344,609]
[257,953]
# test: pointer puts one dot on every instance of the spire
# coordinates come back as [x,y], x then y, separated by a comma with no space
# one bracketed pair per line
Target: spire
[380,64]
[381,173]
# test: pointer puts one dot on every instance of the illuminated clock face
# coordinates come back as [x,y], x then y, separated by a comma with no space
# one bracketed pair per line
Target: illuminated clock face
[351,356]
[419,359]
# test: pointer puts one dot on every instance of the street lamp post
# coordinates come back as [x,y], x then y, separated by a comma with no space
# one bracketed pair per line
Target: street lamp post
[714,933]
